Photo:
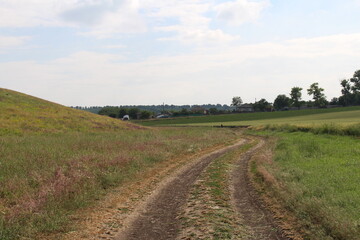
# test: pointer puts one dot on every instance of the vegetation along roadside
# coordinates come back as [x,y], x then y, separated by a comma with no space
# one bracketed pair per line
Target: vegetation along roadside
[315,177]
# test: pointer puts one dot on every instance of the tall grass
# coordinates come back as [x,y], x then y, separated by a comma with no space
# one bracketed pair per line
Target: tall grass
[45,177]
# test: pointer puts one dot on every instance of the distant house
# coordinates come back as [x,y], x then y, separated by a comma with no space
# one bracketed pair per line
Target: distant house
[246,108]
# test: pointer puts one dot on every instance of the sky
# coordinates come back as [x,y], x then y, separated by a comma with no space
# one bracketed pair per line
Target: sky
[145,52]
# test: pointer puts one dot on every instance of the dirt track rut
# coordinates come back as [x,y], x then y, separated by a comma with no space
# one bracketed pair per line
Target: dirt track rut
[258,219]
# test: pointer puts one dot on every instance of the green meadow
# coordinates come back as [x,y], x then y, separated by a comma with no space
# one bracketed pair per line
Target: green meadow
[317,179]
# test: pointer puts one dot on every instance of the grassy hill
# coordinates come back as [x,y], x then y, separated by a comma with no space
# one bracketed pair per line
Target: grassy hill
[21,113]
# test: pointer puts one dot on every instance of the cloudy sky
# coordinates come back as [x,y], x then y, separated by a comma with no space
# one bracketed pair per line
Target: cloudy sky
[117,52]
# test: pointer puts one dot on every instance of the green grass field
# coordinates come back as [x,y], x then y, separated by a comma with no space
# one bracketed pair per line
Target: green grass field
[319,179]
[346,115]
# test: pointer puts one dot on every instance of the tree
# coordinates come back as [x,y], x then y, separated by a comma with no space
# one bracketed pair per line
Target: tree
[346,97]
[262,105]
[334,101]
[356,82]
[122,112]
[281,102]
[236,102]
[318,95]
[184,111]
[145,114]
[295,96]
[213,111]
[133,113]
[109,111]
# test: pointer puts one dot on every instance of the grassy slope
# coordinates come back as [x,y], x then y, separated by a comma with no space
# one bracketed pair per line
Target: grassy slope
[312,116]
[21,113]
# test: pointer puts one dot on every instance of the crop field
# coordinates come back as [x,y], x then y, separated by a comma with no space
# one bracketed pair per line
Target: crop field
[346,115]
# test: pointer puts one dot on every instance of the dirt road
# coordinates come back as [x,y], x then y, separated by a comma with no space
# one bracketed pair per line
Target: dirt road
[158,217]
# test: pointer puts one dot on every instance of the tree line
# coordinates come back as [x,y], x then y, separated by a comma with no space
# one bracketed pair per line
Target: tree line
[350,96]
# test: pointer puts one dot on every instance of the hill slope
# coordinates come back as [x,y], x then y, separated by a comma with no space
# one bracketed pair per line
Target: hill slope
[21,113]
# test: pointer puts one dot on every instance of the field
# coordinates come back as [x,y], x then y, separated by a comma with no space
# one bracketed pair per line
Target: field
[317,179]
[55,160]
[346,115]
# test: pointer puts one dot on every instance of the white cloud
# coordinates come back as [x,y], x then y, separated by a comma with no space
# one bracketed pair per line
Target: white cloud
[213,74]
[9,42]
[103,17]
[240,11]
[188,20]
[118,46]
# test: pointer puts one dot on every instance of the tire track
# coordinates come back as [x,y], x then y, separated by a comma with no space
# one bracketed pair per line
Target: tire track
[246,201]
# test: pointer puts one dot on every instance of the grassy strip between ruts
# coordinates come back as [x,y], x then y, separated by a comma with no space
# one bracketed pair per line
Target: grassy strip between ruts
[208,213]
[316,177]
[44,178]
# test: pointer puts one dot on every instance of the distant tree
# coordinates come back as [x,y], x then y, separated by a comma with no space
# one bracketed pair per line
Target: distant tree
[334,101]
[318,95]
[236,102]
[295,96]
[346,97]
[355,80]
[133,113]
[281,102]
[262,105]
[184,111]
[122,112]
[213,111]
[145,114]
[109,111]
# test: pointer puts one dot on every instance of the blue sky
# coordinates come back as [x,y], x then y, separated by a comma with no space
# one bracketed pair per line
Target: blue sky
[119,52]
